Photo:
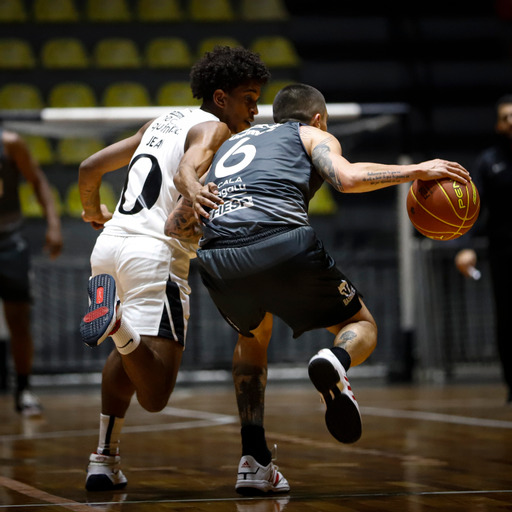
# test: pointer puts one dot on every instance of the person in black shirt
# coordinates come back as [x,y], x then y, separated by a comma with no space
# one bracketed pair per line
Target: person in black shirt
[259,257]
[16,163]
[493,178]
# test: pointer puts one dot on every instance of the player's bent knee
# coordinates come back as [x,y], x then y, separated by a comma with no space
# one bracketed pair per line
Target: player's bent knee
[154,404]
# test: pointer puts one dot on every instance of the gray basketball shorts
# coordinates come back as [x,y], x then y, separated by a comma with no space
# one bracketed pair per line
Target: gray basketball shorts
[288,274]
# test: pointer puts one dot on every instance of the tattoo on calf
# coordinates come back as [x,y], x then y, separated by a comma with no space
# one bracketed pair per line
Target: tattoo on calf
[345,338]
[250,382]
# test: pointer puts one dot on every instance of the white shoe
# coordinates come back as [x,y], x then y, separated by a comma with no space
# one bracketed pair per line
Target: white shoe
[104,473]
[28,404]
[342,416]
[253,478]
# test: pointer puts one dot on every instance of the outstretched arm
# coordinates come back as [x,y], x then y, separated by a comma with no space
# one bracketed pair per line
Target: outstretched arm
[325,151]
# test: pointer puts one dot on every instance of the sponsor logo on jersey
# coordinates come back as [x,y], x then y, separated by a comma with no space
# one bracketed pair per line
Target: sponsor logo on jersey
[347,291]
[236,203]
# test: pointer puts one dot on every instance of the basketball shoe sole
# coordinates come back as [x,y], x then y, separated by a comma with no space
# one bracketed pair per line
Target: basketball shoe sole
[342,416]
[103,311]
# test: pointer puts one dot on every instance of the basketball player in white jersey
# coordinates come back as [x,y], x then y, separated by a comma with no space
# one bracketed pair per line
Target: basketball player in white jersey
[139,294]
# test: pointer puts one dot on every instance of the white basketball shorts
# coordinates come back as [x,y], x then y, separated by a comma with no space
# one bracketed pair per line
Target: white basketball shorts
[151,281]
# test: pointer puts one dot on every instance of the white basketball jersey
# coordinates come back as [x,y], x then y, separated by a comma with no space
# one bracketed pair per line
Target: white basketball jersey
[149,194]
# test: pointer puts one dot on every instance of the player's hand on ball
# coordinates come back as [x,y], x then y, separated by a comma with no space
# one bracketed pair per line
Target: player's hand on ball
[439,168]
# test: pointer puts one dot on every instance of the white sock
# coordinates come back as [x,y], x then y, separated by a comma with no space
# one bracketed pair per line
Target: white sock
[126,338]
[110,433]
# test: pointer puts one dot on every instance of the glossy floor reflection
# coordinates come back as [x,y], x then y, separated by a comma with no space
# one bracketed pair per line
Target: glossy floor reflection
[423,448]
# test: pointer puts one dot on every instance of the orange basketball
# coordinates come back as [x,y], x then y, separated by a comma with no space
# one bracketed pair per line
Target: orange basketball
[443,209]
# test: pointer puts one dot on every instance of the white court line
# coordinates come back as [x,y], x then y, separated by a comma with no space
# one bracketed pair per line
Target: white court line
[38,494]
[201,419]
[435,416]
[302,498]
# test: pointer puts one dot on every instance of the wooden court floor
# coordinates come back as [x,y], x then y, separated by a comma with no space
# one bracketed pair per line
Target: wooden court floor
[423,448]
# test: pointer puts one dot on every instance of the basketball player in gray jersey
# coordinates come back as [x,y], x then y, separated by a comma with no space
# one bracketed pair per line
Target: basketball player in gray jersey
[259,257]
[139,292]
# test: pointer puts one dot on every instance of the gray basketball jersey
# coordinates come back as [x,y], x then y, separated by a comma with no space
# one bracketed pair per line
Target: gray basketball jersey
[266,180]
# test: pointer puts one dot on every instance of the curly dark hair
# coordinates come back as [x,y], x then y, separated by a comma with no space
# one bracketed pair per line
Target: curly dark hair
[226,68]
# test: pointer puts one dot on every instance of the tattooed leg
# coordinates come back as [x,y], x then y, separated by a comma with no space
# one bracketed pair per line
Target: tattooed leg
[358,336]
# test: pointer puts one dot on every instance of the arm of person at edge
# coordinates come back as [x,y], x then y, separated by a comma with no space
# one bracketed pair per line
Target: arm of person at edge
[18,151]
[466,258]
[203,140]
[92,169]
[325,152]
[465,261]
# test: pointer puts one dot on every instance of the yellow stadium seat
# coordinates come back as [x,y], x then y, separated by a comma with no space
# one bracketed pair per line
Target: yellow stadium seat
[55,11]
[12,11]
[40,148]
[176,94]
[323,202]
[117,53]
[72,94]
[210,10]
[270,90]
[30,206]
[209,43]
[159,11]
[16,54]
[20,96]
[75,150]
[107,11]
[168,52]
[74,205]
[263,10]
[126,94]
[108,195]
[64,53]
[276,51]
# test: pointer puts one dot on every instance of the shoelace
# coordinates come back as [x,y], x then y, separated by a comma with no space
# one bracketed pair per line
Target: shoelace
[274,456]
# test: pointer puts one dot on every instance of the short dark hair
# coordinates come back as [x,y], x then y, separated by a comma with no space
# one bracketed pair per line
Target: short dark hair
[226,68]
[298,102]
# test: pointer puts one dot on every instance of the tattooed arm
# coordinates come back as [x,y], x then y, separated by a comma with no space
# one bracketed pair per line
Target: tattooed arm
[325,152]
[182,223]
